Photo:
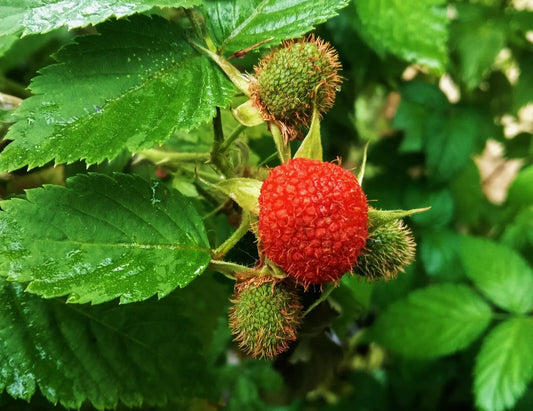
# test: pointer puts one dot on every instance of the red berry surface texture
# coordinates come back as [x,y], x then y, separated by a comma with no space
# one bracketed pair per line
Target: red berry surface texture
[313,220]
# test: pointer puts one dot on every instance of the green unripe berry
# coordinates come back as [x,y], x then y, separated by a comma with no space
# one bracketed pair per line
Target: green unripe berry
[265,316]
[291,79]
[388,249]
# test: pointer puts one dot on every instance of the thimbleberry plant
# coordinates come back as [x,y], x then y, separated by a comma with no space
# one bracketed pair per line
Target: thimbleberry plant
[261,203]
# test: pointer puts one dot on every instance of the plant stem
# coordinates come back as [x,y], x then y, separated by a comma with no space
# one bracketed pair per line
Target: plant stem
[218,157]
[227,269]
[227,245]
[325,294]
[232,137]
[159,157]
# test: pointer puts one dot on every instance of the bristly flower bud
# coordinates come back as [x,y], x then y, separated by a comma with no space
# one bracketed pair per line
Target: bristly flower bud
[388,249]
[291,78]
[265,315]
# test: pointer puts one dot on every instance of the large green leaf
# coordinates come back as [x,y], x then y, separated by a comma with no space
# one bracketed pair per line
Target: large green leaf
[239,24]
[129,87]
[415,30]
[504,366]
[31,16]
[500,273]
[139,353]
[102,237]
[434,321]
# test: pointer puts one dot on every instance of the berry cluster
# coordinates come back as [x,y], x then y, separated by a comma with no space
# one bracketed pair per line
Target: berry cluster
[314,223]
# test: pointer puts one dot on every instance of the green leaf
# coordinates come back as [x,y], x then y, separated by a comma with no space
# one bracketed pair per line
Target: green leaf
[102,237]
[504,365]
[30,16]
[522,91]
[450,139]
[479,35]
[500,273]
[520,192]
[440,254]
[5,43]
[415,30]
[440,201]
[468,195]
[419,101]
[239,24]
[129,87]
[434,321]
[137,354]
[519,233]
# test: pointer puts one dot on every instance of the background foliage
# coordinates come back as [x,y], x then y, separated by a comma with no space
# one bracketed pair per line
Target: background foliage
[443,91]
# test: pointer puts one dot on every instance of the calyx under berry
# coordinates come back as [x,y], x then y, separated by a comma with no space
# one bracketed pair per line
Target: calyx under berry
[291,79]
[265,315]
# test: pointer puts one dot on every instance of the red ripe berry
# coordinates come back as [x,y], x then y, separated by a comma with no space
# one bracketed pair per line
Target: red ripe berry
[313,220]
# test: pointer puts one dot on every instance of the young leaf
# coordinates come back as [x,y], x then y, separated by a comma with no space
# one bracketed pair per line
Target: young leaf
[434,321]
[30,17]
[129,87]
[500,273]
[415,30]
[504,366]
[144,353]
[236,25]
[102,237]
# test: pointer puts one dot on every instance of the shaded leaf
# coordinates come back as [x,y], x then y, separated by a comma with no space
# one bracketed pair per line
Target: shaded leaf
[479,35]
[419,101]
[415,30]
[520,192]
[102,237]
[129,87]
[468,195]
[450,139]
[137,354]
[434,321]
[239,24]
[522,91]
[504,365]
[440,253]
[500,273]
[30,16]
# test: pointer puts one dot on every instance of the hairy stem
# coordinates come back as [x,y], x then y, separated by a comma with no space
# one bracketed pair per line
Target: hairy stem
[227,269]
[227,245]
[160,158]
[218,157]
[325,294]
[232,137]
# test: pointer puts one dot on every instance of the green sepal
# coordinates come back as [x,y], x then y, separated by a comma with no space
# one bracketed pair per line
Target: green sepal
[284,150]
[248,115]
[377,218]
[311,146]
[361,173]
[244,191]
[240,80]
